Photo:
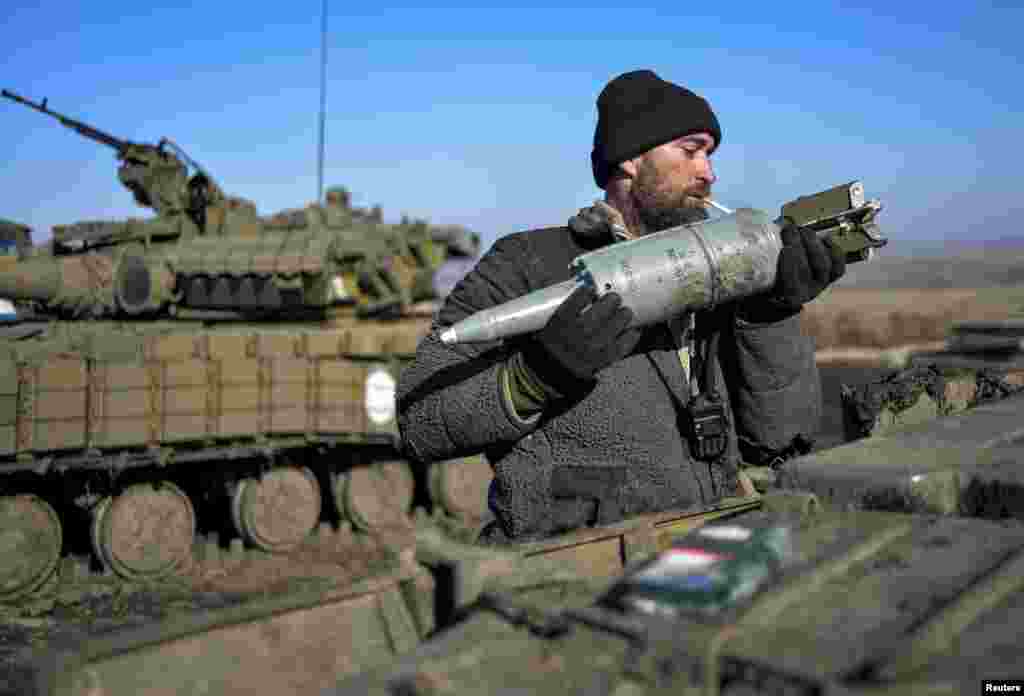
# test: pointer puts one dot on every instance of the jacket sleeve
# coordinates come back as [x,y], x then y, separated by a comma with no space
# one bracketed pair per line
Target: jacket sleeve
[450,400]
[774,386]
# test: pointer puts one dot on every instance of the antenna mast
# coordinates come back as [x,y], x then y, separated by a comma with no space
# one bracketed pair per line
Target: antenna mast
[323,104]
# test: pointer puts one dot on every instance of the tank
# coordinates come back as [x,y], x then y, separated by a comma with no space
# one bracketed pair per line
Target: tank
[205,377]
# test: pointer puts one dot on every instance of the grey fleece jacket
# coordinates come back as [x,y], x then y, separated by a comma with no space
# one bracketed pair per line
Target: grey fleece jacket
[451,403]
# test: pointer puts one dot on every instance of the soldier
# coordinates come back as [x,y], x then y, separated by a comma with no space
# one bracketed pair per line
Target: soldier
[339,197]
[587,421]
[15,242]
[157,179]
[337,209]
[15,239]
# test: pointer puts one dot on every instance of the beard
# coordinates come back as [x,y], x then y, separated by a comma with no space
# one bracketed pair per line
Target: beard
[659,206]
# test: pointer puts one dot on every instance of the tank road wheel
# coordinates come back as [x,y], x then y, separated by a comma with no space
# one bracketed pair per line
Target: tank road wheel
[460,486]
[278,510]
[30,543]
[375,497]
[145,532]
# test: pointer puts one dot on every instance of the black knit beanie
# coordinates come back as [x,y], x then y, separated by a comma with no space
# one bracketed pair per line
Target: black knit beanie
[637,111]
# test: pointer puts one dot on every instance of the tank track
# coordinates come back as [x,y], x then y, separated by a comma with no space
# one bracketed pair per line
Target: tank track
[135,516]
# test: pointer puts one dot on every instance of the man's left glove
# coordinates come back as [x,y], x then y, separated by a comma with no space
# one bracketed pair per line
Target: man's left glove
[807,265]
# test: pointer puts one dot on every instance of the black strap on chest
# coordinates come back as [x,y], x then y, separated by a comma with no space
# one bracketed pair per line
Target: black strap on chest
[707,423]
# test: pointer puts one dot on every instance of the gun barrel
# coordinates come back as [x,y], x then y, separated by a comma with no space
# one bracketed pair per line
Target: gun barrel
[51,279]
[22,100]
[77,126]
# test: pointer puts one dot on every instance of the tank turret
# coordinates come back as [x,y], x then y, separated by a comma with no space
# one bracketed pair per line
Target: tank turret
[206,255]
[305,272]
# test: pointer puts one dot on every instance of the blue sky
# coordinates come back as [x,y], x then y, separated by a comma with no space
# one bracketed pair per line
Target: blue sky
[485,116]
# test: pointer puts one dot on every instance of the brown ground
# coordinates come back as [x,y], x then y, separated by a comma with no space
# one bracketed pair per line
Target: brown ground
[340,559]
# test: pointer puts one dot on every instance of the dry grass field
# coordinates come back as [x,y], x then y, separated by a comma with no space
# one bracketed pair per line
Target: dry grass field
[846,320]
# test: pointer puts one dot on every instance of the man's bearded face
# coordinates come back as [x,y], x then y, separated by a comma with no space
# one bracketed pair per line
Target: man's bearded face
[671,181]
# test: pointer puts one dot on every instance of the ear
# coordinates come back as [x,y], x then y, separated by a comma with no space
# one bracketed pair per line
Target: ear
[630,167]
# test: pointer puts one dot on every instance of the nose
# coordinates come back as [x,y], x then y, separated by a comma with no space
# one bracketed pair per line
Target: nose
[706,171]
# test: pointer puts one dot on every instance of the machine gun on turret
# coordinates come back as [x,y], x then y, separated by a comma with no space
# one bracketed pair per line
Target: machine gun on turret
[158,176]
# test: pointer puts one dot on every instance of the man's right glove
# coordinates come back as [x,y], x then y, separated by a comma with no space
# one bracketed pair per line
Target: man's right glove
[582,337]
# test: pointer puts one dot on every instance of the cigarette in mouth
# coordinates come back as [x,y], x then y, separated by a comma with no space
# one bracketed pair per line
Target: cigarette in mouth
[717,206]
